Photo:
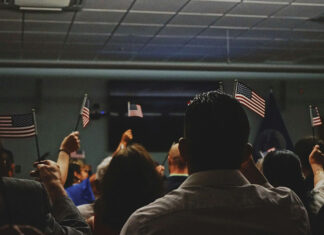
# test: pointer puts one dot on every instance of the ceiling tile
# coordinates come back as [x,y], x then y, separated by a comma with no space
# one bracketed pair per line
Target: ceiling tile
[78,27]
[137,30]
[204,41]
[310,25]
[10,14]
[78,56]
[87,38]
[180,31]
[46,27]
[10,26]
[95,16]
[193,20]
[278,23]
[9,45]
[10,54]
[41,37]
[231,21]
[301,11]
[147,18]
[169,40]
[114,56]
[208,7]
[247,8]
[42,46]
[10,36]
[266,34]
[52,16]
[216,32]
[39,54]
[79,47]
[124,47]
[158,5]
[117,38]
[107,4]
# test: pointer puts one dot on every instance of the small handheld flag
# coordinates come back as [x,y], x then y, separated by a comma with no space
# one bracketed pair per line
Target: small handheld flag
[84,113]
[17,126]
[134,110]
[249,98]
[315,116]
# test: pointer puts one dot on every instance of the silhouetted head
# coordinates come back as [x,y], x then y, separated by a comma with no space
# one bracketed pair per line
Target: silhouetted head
[283,168]
[216,133]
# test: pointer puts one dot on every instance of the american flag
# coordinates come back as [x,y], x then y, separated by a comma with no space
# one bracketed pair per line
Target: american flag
[315,116]
[250,99]
[134,110]
[85,112]
[17,126]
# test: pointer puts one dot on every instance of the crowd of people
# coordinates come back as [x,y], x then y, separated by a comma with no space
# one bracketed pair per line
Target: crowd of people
[213,186]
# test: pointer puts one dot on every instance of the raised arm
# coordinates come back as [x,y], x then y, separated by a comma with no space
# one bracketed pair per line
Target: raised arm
[69,144]
[127,136]
[65,218]
[316,160]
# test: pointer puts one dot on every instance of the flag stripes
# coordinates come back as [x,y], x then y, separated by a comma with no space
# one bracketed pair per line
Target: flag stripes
[250,99]
[17,126]
[85,114]
[315,116]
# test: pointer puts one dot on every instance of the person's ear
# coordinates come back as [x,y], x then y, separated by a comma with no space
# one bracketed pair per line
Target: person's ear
[248,149]
[184,149]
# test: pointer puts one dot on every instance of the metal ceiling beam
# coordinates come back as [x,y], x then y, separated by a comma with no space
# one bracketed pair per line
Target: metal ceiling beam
[152,74]
[172,66]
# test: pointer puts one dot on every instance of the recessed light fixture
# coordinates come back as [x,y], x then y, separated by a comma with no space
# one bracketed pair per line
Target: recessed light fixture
[42,5]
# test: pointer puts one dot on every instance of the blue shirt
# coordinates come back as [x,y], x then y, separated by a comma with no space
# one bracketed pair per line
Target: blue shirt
[81,193]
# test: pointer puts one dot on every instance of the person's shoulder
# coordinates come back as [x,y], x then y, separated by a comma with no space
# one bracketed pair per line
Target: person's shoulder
[279,197]
[142,217]
[24,184]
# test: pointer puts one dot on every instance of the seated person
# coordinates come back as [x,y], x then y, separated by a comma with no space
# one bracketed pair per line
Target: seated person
[44,206]
[129,183]
[224,192]
[177,167]
[283,168]
[303,148]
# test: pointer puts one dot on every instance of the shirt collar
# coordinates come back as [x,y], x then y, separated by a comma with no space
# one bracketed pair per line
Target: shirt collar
[215,178]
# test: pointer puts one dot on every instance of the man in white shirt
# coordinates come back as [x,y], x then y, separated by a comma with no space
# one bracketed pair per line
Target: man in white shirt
[224,193]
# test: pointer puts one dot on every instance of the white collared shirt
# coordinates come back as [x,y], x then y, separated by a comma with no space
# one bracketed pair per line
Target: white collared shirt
[221,202]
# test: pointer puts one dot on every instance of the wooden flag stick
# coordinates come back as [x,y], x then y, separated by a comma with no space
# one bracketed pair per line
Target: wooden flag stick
[80,114]
[36,135]
[235,87]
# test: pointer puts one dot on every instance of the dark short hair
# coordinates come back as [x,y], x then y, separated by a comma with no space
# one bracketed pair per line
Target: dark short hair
[217,130]
[283,168]
[130,182]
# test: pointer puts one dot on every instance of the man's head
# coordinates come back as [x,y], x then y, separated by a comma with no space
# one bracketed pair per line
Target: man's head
[176,163]
[216,133]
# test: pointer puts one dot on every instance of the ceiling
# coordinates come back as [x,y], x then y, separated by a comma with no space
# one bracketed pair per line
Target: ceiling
[196,31]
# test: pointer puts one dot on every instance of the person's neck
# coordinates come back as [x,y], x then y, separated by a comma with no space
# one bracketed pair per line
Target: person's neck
[178,171]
